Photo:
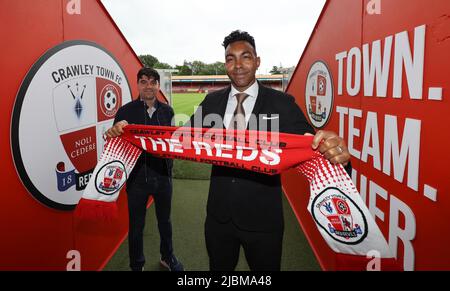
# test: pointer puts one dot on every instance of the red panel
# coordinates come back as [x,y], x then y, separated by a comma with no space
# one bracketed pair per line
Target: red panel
[347,25]
[430,217]
[326,41]
[39,237]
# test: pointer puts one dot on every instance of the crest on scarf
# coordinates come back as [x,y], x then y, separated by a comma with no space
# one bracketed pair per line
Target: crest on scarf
[110,178]
[339,216]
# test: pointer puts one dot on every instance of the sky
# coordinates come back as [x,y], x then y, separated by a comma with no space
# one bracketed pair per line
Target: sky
[178,30]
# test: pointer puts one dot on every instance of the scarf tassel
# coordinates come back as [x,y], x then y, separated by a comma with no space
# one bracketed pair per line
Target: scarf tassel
[94,210]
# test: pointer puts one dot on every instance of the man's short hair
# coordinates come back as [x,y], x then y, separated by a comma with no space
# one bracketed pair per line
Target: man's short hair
[238,35]
[149,72]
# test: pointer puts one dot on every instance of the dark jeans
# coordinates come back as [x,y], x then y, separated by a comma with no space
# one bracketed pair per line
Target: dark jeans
[138,193]
[223,241]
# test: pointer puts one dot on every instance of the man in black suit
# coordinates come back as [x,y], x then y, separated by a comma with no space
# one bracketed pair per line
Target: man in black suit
[245,208]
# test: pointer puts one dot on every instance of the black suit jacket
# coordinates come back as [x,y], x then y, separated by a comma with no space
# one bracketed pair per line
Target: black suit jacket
[253,201]
[135,112]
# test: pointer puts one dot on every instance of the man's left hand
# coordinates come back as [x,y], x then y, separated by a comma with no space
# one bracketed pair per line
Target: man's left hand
[332,147]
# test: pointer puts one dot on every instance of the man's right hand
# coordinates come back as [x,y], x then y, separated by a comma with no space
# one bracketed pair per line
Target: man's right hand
[117,129]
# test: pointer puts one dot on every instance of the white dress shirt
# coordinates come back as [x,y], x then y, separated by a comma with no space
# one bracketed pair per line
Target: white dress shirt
[248,104]
[150,111]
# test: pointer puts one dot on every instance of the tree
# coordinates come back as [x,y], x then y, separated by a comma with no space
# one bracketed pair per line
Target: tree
[217,68]
[185,69]
[148,60]
[275,70]
[199,68]
[153,62]
[162,66]
[188,68]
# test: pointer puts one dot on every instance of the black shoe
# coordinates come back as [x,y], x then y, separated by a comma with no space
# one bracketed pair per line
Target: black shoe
[172,263]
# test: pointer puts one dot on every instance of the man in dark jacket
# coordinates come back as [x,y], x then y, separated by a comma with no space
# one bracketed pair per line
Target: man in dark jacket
[245,208]
[151,175]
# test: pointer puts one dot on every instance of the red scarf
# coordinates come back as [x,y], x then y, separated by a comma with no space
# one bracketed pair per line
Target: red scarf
[335,205]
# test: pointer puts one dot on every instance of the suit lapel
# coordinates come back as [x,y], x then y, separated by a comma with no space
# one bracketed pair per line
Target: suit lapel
[222,105]
[260,100]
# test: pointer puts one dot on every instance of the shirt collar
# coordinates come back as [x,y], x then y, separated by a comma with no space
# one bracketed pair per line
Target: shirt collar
[252,91]
[155,104]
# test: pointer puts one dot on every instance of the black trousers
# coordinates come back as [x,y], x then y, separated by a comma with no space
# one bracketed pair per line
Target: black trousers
[138,194]
[223,242]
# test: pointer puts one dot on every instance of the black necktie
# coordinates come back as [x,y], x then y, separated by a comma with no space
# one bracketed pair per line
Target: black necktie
[238,120]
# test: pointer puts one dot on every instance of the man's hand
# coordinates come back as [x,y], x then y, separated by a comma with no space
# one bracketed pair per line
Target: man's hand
[117,129]
[331,146]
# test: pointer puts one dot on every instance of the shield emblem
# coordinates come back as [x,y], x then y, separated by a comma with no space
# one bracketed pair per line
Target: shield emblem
[337,211]
[79,105]
[112,177]
[321,85]
[343,211]
[81,148]
[313,100]
[109,99]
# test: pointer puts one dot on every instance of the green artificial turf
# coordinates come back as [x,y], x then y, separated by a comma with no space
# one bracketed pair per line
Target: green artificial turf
[188,216]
